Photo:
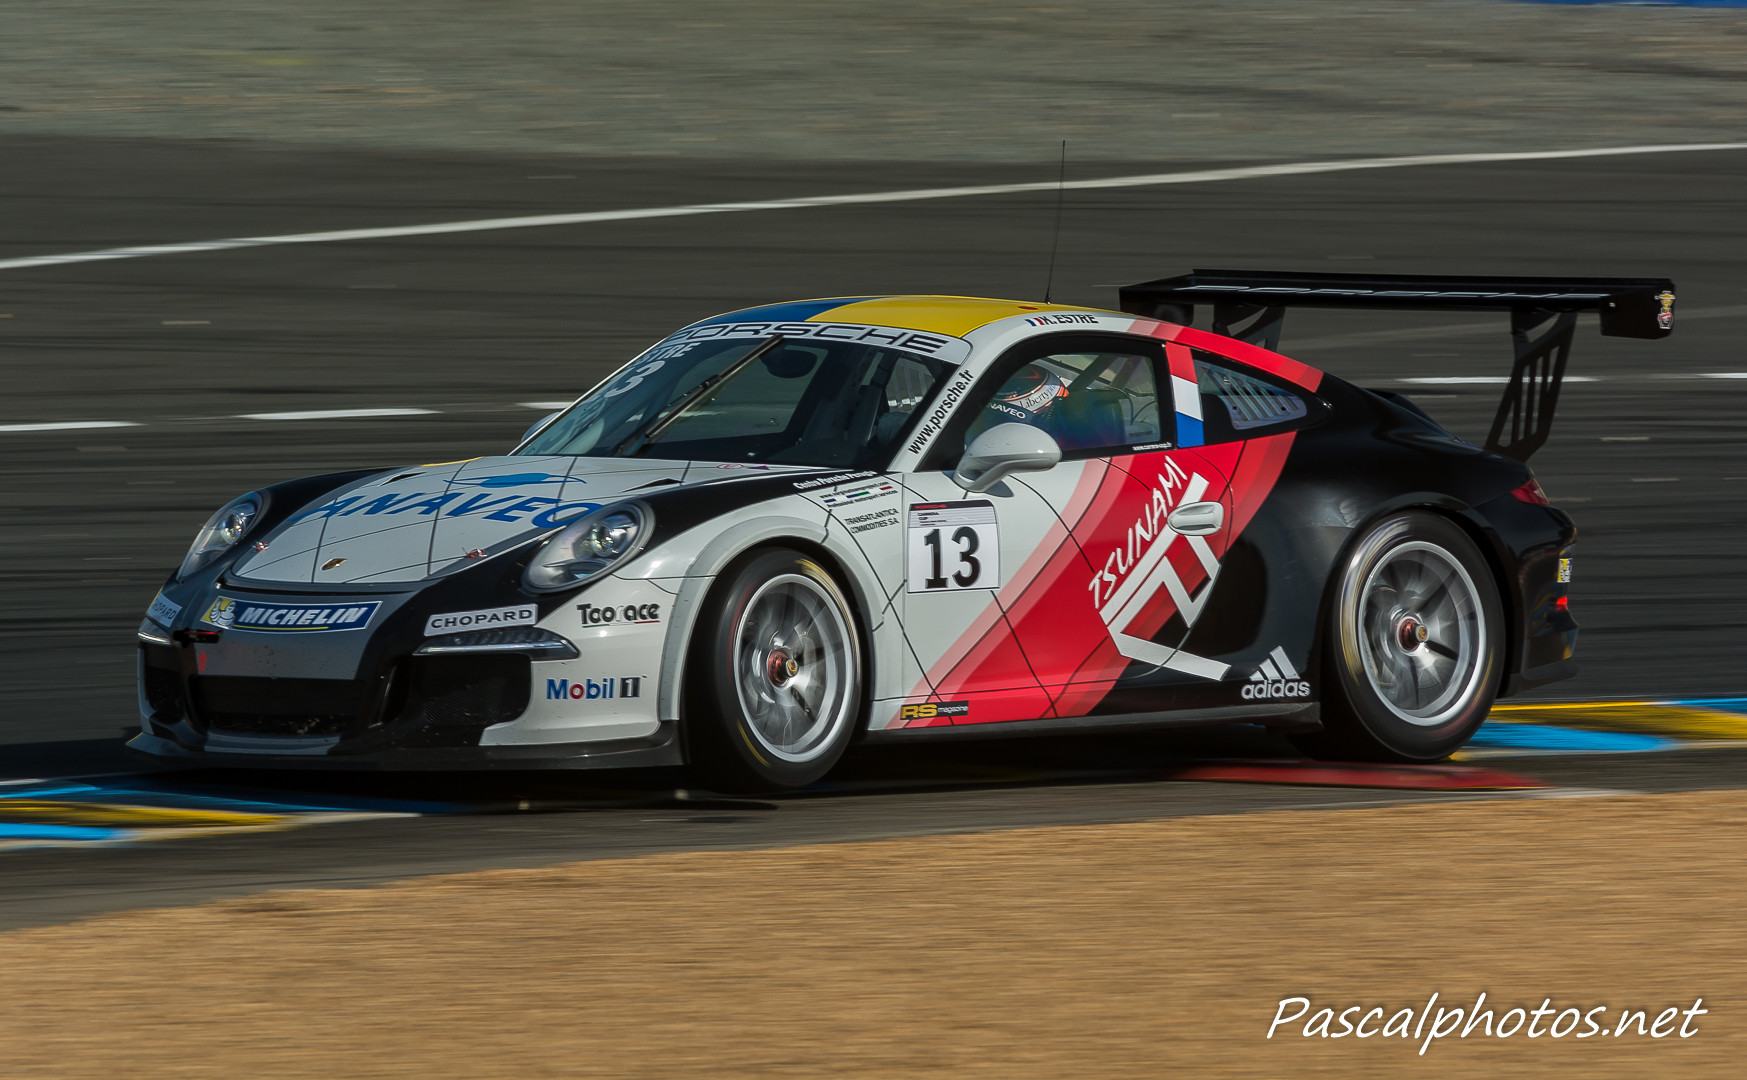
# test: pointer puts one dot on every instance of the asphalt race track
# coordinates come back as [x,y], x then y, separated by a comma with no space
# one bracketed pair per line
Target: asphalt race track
[470,328]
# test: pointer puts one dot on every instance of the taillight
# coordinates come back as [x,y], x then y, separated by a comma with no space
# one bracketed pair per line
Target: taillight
[1532,494]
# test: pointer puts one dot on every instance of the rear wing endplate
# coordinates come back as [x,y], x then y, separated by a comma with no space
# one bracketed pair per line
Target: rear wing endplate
[1250,305]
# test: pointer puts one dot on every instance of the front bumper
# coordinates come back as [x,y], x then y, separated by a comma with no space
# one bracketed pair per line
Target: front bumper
[370,697]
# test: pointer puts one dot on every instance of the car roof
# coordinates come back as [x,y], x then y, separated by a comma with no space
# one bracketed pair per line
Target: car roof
[954,315]
[961,315]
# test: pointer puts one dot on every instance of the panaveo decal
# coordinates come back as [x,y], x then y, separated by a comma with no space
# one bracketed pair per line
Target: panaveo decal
[627,686]
[227,613]
[540,511]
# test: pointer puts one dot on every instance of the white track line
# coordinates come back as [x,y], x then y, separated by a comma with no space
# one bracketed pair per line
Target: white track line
[1203,176]
[1481,380]
[334,414]
[69,425]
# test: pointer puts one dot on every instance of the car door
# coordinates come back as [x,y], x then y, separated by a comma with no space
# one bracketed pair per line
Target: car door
[1006,641]
[1145,522]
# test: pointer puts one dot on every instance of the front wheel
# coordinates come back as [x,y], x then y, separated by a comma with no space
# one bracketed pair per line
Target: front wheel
[1412,661]
[777,685]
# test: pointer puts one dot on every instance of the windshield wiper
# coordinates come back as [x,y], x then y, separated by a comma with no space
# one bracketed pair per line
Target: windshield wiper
[635,442]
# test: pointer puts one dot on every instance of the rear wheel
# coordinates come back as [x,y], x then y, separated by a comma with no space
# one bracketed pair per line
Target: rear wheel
[1413,645]
[777,686]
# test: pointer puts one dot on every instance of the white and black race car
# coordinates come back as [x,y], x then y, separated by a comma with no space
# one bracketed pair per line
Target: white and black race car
[782,529]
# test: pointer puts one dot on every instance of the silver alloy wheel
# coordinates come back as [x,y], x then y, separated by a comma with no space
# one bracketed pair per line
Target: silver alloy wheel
[1421,630]
[796,667]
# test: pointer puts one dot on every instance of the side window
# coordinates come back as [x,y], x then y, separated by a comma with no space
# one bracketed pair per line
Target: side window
[1229,403]
[1086,401]
[908,387]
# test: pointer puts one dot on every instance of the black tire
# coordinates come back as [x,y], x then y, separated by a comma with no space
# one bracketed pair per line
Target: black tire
[1412,644]
[775,692]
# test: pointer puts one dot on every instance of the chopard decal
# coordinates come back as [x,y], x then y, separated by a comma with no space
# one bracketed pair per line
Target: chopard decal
[164,612]
[520,615]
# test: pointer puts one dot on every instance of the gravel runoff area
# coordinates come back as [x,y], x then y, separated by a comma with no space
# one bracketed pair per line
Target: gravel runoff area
[1142,950]
[918,80]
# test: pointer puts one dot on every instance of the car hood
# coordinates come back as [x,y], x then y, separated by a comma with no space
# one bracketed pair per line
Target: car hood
[429,520]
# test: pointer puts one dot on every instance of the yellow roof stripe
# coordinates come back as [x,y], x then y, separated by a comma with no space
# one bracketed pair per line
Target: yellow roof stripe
[955,315]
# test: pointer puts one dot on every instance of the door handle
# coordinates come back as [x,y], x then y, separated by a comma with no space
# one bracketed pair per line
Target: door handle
[1196,518]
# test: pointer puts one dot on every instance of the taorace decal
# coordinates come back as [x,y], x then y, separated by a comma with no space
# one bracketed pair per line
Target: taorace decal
[1133,572]
[1275,677]
[953,545]
[1665,317]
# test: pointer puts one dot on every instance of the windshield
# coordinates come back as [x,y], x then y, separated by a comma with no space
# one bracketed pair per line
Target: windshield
[839,404]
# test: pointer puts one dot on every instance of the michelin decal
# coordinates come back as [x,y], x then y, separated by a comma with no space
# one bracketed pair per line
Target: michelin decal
[228,613]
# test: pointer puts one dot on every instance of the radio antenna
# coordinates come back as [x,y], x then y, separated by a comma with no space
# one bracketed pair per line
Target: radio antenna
[1061,187]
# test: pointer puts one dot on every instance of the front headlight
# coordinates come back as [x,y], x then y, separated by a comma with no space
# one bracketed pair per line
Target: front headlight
[590,547]
[222,531]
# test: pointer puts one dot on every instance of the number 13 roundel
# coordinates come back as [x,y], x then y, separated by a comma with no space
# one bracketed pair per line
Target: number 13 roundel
[953,545]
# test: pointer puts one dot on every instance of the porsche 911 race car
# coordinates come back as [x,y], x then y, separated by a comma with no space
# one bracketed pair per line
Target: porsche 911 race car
[783,529]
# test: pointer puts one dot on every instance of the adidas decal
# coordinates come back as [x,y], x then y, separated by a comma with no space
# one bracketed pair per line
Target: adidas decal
[1274,678]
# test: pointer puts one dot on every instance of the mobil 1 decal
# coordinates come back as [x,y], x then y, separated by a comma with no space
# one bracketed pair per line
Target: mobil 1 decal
[953,545]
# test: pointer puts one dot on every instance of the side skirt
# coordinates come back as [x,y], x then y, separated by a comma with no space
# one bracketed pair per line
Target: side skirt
[1298,716]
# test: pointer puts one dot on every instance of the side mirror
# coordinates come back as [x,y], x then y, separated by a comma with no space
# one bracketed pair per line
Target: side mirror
[1004,449]
[538,424]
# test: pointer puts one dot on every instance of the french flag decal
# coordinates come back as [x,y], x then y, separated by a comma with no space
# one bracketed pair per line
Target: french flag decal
[1185,394]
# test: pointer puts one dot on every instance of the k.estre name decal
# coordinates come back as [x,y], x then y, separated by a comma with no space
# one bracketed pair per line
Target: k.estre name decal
[1061,319]
[455,621]
[227,613]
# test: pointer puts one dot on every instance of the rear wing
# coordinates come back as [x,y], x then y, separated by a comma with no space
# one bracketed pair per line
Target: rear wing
[1250,305]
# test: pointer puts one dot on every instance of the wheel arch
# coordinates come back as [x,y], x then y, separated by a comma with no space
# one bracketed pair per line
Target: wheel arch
[1473,525]
[721,558]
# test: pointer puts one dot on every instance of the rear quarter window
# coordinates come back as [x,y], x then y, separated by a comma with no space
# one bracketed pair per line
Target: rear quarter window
[1238,404]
